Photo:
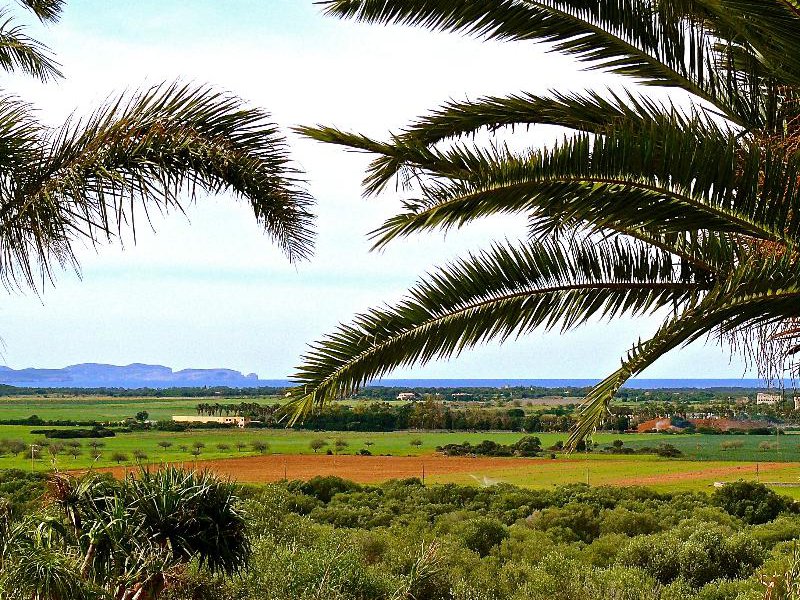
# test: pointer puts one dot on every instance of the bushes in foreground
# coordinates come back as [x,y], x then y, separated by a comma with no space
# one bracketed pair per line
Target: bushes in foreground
[332,538]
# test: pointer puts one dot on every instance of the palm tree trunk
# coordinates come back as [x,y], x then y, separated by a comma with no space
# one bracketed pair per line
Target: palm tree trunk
[87,561]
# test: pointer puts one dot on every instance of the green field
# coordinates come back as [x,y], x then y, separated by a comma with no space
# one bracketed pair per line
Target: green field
[700,452]
[86,408]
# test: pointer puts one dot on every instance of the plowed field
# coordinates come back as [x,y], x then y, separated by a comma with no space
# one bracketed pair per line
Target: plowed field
[529,472]
[364,469]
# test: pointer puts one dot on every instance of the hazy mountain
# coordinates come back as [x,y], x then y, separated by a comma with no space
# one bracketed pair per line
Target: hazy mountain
[130,376]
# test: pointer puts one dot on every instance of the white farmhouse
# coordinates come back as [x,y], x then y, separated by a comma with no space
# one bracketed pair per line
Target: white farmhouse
[765,398]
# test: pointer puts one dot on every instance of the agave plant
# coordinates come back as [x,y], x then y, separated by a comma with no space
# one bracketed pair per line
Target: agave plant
[644,207]
[155,148]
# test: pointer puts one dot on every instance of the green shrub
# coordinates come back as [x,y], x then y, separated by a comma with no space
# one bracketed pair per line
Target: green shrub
[750,501]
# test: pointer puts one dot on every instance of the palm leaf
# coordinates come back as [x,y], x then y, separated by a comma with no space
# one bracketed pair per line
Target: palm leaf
[151,148]
[18,51]
[650,41]
[497,294]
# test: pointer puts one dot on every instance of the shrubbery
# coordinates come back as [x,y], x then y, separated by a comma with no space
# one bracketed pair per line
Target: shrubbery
[527,446]
[332,538]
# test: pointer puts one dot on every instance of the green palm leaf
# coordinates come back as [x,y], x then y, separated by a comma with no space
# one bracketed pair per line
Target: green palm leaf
[715,188]
[152,148]
[18,51]
[500,293]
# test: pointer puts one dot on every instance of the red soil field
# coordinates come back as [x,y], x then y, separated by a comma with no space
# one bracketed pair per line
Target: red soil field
[363,469]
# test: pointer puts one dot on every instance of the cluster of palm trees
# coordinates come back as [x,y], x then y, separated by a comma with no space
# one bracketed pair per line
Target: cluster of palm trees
[250,409]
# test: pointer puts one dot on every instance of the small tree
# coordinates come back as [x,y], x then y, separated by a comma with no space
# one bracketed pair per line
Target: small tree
[198,445]
[223,447]
[55,449]
[317,444]
[142,415]
[240,445]
[416,442]
[139,455]
[96,454]
[196,452]
[183,448]
[119,457]
[95,444]
[340,444]
[260,446]
[165,444]
[75,451]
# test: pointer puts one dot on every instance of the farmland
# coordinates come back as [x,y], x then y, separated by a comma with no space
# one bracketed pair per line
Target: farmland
[259,455]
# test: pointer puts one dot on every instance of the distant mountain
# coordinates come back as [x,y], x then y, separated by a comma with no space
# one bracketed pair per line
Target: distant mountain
[137,375]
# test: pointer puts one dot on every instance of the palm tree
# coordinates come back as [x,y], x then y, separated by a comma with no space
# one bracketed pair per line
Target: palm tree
[118,540]
[644,207]
[157,147]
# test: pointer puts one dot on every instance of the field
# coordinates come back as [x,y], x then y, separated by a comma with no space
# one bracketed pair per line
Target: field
[289,454]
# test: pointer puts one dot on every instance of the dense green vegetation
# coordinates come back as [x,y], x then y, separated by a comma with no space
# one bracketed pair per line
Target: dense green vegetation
[332,538]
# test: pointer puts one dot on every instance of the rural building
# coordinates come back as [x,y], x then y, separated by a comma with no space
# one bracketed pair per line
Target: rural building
[765,398]
[406,396]
[238,421]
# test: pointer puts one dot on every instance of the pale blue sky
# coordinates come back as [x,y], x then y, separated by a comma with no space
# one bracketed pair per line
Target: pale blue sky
[211,291]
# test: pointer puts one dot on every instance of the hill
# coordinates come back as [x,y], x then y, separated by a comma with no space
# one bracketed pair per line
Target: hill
[137,375]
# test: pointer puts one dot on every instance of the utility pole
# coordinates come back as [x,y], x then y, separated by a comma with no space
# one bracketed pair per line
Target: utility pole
[34,447]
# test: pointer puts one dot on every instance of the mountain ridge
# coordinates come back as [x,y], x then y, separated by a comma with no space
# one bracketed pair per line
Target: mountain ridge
[134,375]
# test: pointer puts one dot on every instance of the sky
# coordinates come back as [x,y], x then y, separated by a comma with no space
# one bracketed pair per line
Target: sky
[208,289]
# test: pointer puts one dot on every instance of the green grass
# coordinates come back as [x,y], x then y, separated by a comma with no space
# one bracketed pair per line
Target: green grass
[88,408]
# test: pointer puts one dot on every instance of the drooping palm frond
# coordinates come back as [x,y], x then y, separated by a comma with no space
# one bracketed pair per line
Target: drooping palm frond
[497,294]
[715,188]
[150,149]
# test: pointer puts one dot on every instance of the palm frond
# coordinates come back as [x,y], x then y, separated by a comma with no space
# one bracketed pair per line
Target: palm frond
[656,179]
[754,295]
[651,41]
[496,294]
[589,112]
[150,148]
[18,51]
[45,10]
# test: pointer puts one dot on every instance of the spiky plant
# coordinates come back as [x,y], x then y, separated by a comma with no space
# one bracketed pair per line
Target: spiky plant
[156,148]
[123,540]
[644,207]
